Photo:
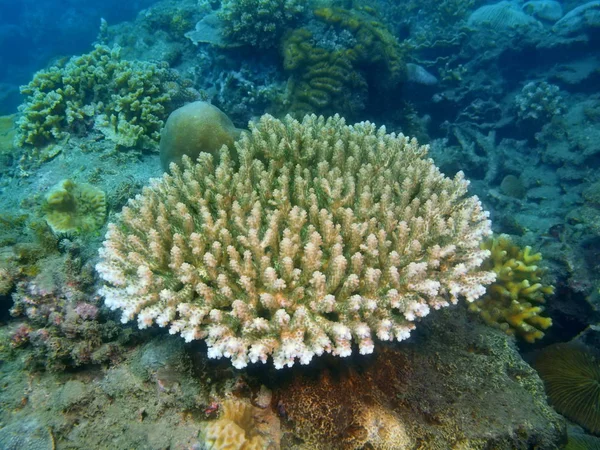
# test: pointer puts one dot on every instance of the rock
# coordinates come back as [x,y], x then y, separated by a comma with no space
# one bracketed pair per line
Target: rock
[547,10]
[27,434]
[501,16]
[418,74]
[455,384]
[584,18]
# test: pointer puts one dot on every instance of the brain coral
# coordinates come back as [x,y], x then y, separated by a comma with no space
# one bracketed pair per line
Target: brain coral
[324,233]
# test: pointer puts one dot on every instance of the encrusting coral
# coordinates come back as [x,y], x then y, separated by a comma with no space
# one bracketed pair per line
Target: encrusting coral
[512,302]
[322,234]
[75,207]
[236,428]
[126,101]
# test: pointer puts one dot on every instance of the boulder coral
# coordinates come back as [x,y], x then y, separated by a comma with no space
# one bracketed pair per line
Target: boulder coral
[195,128]
[328,61]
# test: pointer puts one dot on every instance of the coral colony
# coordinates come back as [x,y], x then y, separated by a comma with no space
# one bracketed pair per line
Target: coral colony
[324,234]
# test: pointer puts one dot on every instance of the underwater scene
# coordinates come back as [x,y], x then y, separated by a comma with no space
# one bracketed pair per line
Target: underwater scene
[299,224]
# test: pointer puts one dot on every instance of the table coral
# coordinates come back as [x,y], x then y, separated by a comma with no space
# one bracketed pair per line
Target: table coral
[126,101]
[322,234]
[75,207]
[512,302]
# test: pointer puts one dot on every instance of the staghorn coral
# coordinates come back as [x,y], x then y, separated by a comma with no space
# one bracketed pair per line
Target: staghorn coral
[511,302]
[259,23]
[325,234]
[126,101]
[75,207]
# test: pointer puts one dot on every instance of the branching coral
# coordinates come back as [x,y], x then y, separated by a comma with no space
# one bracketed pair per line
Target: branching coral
[259,23]
[539,102]
[127,101]
[512,301]
[322,234]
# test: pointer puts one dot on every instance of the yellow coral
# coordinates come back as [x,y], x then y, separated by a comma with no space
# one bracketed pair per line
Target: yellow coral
[236,429]
[333,79]
[75,207]
[512,302]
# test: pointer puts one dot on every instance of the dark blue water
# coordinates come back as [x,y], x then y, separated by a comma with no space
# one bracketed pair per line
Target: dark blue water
[32,33]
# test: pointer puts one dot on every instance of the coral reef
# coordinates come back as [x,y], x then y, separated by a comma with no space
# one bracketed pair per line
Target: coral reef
[546,10]
[159,396]
[23,244]
[571,373]
[330,59]
[325,234]
[194,128]
[126,101]
[407,396]
[75,207]
[7,137]
[259,23]
[512,302]
[60,319]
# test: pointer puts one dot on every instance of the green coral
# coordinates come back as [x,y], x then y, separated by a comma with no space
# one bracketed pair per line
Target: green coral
[75,207]
[513,302]
[329,62]
[126,101]
[259,23]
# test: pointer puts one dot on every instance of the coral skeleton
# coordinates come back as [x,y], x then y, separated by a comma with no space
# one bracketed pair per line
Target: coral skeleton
[321,235]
